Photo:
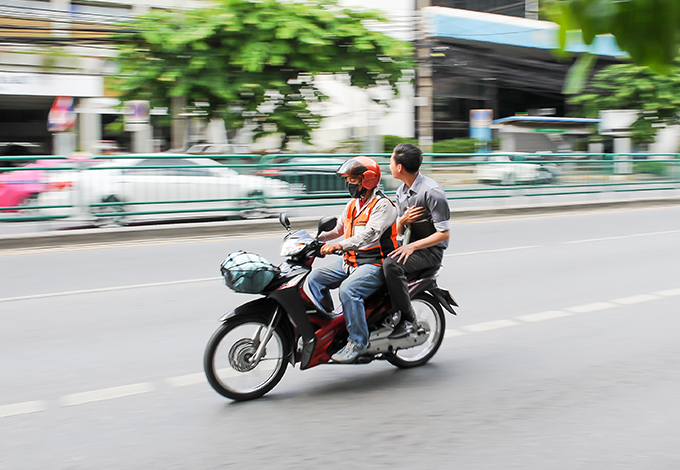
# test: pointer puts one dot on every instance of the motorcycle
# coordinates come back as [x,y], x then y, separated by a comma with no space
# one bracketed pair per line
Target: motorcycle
[248,354]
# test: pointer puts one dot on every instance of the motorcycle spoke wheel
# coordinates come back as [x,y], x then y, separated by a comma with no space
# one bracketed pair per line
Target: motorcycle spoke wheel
[228,359]
[430,317]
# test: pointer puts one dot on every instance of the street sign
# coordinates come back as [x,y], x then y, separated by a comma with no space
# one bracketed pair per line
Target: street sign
[480,124]
[137,115]
[61,117]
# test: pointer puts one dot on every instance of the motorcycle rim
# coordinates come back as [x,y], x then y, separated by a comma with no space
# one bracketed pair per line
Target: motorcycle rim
[429,315]
[227,359]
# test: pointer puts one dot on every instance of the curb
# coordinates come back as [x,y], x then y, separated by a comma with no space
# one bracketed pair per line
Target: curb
[244,227]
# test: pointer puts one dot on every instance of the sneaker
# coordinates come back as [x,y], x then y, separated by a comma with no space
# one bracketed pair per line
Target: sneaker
[404,329]
[348,353]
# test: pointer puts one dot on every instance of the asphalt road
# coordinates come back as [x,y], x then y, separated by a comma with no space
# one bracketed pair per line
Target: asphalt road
[563,356]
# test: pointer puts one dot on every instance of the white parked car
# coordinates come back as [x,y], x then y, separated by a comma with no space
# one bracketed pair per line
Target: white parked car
[501,169]
[168,186]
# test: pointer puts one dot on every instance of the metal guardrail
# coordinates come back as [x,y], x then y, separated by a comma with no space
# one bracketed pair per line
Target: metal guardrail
[123,186]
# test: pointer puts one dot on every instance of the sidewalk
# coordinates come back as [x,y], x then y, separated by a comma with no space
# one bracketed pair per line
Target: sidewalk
[460,209]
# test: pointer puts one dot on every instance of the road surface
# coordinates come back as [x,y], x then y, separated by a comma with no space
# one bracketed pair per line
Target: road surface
[564,355]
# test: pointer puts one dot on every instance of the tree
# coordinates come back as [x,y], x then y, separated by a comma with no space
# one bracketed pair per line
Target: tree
[629,86]
[256,60]
[648,30]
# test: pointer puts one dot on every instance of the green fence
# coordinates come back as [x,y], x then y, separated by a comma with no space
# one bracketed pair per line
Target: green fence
[121,188]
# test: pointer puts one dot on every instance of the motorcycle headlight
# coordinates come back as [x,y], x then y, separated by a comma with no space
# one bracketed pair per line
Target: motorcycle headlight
[291,247]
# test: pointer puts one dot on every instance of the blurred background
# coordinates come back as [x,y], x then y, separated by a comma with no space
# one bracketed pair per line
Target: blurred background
[496,56]
[131,98]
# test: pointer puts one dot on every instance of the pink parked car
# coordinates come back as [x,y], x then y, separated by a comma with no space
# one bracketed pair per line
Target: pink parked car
[19,188]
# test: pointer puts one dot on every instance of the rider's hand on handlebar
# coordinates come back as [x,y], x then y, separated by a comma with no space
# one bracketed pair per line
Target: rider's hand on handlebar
[329,248]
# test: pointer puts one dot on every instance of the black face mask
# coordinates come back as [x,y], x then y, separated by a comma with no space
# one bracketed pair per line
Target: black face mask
[355,190]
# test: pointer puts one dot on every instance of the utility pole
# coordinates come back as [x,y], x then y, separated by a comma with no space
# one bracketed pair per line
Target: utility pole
[424,91]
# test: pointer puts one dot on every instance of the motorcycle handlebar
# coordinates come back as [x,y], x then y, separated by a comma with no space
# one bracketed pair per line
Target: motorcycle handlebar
[334,252]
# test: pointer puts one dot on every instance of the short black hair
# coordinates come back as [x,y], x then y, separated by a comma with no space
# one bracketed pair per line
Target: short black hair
[409,156]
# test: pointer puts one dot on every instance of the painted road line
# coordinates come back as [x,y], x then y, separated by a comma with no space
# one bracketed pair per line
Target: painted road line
[622,237]
[106,394]
[189,379]
[668,293]
[635,299]
[500,250]
[533,317]
[452,333]
[489,325]
[142,244]
[108,289]
[594,307]
[22,408]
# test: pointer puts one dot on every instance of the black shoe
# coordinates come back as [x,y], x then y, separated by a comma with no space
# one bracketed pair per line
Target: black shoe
[403,329]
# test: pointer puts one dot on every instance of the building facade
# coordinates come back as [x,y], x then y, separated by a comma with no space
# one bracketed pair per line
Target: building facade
[487,54]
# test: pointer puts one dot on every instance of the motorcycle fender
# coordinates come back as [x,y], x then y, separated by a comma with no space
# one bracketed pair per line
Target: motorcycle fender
[444,298]
[423,285]
[257,304]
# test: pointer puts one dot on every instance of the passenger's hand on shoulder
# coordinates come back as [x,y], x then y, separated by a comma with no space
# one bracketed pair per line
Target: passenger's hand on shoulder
[412,214]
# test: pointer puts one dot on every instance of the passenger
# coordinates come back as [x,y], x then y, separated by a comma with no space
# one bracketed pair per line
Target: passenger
[424,223]
[368,224]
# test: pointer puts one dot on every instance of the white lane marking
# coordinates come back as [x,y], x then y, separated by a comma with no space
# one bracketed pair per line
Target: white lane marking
[140,244]
[594,307]
[184,380]
[621,237]
[106,394]
[635,299]
[193,379]
[533,317]
[489,325]
[588,240]
[198,378]
[108,289]
[452,333]
[668,293]
[500,250]
[22,408]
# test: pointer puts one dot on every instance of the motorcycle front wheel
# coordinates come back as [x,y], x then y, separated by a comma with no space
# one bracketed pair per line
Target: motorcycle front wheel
[430,317]
[229,364]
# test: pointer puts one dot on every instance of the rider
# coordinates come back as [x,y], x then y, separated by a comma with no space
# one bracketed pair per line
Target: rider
[424,222]
[368,224]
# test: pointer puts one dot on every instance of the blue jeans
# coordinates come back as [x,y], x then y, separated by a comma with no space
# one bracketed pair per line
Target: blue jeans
[354,288]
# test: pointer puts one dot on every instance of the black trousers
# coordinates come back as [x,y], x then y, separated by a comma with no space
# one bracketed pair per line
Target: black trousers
[397,275]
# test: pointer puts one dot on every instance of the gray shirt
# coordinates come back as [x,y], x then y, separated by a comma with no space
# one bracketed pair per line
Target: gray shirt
[426,192]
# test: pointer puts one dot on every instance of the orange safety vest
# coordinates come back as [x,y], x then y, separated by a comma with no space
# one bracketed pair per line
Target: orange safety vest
[370,254]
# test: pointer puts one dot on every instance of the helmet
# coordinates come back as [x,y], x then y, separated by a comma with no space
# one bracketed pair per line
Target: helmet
[361,166]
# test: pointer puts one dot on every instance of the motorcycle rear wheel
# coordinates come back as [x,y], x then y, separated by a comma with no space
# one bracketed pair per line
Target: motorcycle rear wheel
[428,312]
[226,359]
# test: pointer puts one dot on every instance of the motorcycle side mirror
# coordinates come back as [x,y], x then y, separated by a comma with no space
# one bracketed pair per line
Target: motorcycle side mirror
[326,224]
[284,220]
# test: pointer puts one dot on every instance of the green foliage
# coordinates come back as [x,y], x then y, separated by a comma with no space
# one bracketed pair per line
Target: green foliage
[256,60]
[648,30]
[628,86]
[651,167]
[455,146]
[391,141]
[354,145]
